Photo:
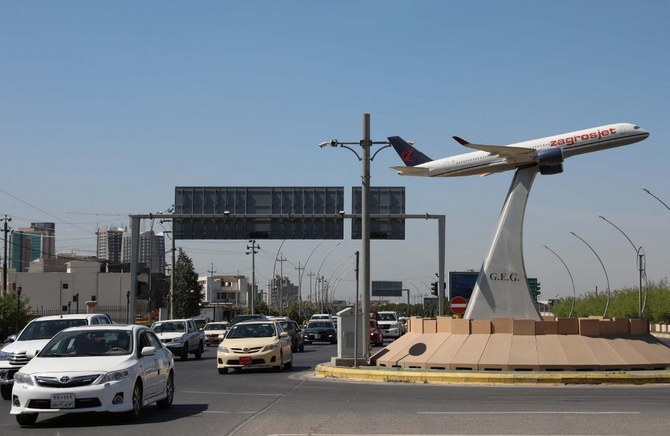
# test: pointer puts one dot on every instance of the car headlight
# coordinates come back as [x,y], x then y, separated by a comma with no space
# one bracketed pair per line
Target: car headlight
[115,376]
[270,347]
[23,378]
[223,349]
[5,356]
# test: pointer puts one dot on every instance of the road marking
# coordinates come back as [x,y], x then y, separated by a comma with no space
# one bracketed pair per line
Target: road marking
[541,412]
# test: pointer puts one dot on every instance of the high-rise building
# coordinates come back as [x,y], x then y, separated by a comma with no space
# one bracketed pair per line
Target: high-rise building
[31,243]
[152,250]
[109,244]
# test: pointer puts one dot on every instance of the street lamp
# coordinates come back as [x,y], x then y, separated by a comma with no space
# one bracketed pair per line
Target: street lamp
[639,261]
[661,201]
[365,144]
[601,264]
[574,296]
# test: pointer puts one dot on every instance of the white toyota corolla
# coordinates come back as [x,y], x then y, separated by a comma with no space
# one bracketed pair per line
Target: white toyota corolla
[110,368]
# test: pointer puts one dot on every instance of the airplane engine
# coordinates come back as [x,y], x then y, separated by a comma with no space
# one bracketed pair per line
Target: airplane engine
[550,161]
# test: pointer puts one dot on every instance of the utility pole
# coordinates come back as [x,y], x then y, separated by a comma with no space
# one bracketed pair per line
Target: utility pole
[310,274]
[6,219]
[299,268]
[210,284]
[280,298]
[253,249]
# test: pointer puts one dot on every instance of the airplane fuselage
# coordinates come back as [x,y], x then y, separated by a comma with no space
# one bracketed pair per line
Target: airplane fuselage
[531,152]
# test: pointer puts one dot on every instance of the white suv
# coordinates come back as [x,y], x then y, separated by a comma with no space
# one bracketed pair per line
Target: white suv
[33,337]
[388,322]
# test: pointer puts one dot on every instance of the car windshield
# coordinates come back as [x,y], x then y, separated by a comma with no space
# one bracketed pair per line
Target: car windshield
[48,328]
[264,330]
[169,327]
[287,326]
[216,326]
[320,325]
[386,317]
[81,343]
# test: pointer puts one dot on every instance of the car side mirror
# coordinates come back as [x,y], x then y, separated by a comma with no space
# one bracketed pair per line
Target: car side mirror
[148,351]
[283,334]
[31,353]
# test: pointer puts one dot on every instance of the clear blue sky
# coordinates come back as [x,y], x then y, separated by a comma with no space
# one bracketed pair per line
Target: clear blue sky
[105,107]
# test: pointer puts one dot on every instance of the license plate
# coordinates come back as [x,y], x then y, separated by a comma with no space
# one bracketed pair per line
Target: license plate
[317,336]
[62,401]
[246,360]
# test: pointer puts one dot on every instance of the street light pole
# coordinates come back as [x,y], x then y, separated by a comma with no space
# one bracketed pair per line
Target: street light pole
[18,307]
[574,292]
[639,261]
[365,143]
[661,201]
[601,264]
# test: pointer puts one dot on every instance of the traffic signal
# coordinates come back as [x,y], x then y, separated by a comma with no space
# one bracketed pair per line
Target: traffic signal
[433,288]
[534,287]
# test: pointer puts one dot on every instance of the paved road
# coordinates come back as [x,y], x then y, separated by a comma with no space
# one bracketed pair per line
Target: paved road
[294,402]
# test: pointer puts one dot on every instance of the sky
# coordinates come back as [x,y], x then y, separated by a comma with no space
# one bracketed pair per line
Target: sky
[106,107]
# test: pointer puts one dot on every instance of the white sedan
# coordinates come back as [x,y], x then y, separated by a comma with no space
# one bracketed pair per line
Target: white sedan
[105,368]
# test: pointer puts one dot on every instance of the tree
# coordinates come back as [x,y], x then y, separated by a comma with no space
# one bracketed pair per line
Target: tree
[8,312]
[187,290]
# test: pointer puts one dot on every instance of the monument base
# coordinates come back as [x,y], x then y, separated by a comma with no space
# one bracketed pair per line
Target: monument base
[507,344]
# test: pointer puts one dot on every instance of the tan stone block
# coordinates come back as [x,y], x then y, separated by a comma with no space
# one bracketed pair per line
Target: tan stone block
[470,352]
[548,318]
[524,327]
[568,326]
[546,327]
[415,325]
[480,327]
[550,353]
[496,354]
[638,326]
[444,324]
[430,325]
[460,326]
[620,326]
[523,353]
[589,327]
[442,358]
[607,328]
[502,325]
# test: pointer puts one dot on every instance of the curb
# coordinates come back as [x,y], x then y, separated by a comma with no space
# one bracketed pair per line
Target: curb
[377,374]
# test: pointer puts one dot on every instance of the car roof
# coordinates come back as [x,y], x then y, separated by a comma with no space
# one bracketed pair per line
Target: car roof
[258,321]
[70,316]
[121,327]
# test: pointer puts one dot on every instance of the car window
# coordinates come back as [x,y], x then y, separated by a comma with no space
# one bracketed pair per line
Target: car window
[48,328]
[143,341]
[153,340]
[83,343]
[264,330]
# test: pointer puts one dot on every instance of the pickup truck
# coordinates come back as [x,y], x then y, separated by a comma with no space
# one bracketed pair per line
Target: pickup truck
[181,336]
[32,338]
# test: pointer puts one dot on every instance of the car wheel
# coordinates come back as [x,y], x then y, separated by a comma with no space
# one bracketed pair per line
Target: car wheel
[307,343]
[289,365]
[6,391]
[26,418]
[166,402]
[136,401]
[198,352]
[302,348]
[184,352]
[223,371]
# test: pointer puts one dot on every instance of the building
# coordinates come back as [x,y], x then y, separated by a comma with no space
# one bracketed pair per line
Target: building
[30,243]
[282,293]
[152,250]
[109,242]
[229,289]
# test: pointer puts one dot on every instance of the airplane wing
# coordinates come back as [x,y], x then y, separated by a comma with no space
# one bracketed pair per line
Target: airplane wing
[513,154]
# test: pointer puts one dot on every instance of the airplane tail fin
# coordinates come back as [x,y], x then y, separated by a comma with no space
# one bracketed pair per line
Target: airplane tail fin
[409,155]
